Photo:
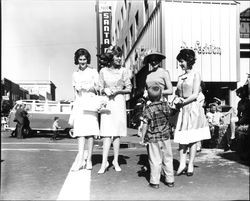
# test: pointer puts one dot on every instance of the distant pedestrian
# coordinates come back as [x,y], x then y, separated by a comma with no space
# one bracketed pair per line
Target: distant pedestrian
[55,128]
[114,84]
[192,125]
[156,133]
[20,118]
[85,123]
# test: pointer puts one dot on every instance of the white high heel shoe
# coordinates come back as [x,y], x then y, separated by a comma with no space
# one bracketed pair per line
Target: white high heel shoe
[89,166]
[103,170]
[78,167]
[116,167]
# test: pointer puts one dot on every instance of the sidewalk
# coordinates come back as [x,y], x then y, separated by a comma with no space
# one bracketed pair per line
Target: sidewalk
[218,175]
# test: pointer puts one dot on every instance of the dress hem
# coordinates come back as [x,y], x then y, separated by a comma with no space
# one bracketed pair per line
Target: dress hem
[193,135]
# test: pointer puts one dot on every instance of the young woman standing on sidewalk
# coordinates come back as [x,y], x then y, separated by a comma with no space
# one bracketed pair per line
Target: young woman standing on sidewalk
[85,124]
[114,83]
[192,125]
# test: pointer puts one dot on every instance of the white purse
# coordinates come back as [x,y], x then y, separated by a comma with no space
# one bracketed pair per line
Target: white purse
[95,103]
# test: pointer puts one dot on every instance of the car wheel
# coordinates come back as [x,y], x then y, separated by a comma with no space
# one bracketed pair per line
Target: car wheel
[71,133]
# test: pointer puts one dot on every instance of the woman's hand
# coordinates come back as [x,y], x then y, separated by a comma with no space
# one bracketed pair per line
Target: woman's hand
[113,94]
[179,103]
[107,91]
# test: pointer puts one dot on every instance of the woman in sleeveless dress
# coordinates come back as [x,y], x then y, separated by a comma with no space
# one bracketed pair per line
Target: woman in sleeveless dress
[192,124]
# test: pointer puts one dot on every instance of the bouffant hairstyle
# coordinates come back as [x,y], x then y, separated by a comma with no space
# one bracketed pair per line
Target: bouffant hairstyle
[81,52]
[154,93]
[103,60]
[111,52]
[187,55]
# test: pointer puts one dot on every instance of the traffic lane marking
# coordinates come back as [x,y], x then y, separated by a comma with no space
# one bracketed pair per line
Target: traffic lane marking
[76,185]
[30,149]
[43,143]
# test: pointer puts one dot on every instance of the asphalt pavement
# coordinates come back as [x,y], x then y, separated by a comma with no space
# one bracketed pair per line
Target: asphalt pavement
[39,169]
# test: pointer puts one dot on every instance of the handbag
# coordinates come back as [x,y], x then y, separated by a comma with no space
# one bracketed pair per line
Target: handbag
[95,104]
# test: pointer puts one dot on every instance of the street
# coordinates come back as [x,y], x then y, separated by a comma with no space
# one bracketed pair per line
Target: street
[39,169]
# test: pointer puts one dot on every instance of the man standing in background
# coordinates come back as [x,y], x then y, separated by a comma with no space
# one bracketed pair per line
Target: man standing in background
[19,118]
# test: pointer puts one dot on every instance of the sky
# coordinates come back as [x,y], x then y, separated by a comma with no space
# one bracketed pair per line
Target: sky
[40,37]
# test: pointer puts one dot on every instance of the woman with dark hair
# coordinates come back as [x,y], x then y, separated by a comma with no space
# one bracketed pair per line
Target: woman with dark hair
[192,125]
[85,124]
[114,84]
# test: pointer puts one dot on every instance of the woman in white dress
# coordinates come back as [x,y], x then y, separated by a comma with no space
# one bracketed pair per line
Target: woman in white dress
[85,124]
[114,83]
[192,125]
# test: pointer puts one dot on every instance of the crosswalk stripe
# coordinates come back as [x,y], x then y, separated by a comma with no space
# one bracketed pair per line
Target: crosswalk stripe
[76,186]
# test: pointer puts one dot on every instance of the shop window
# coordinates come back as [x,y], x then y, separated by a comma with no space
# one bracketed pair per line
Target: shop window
[118,25]
[137,18]
[146,4]
[131,31]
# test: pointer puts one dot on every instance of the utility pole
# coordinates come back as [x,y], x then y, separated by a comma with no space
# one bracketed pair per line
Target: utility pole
[97,31]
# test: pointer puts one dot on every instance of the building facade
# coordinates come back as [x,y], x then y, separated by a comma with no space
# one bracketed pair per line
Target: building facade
[12,92]
[211,28]
[21,90]
[44,88]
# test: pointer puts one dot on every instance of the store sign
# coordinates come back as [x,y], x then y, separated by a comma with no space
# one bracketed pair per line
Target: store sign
[104,7]
[206,49]
[106,29]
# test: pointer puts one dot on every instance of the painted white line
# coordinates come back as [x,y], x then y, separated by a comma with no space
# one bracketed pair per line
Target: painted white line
[76,186]
[50,143]
[38,149]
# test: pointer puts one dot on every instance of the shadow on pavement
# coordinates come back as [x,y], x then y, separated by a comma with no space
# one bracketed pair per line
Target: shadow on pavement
[60,136]
[233,156]
[97,159]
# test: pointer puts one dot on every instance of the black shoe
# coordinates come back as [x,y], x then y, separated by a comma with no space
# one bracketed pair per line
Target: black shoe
[156,186]
[170,184]
[189,174]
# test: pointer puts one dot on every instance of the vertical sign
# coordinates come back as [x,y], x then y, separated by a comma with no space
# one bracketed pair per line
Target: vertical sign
[106,30]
